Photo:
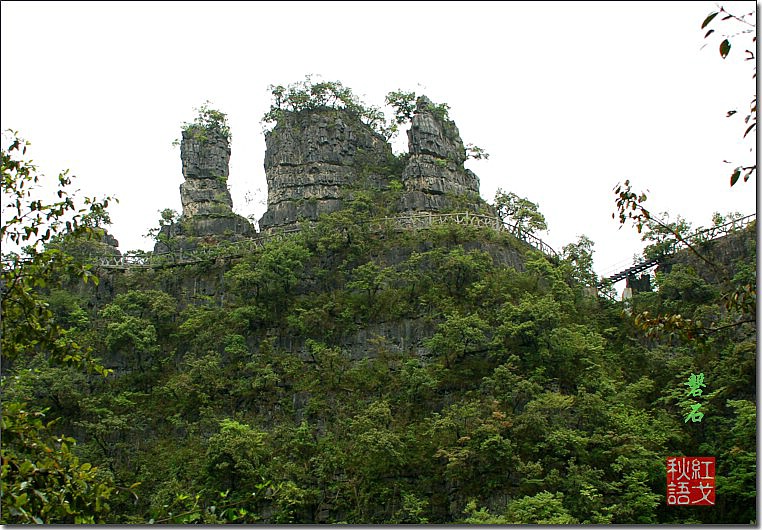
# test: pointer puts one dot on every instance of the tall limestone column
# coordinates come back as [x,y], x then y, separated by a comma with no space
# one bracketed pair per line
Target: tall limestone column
[205,156]
[207,205]
[435,177]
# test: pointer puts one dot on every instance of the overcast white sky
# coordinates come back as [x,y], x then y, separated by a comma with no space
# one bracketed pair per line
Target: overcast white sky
[568,98]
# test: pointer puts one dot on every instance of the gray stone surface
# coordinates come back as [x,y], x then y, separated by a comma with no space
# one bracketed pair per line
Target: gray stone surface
[404,334]
[315,157]
[205,156]
[312,158]
[111,242]
[435,171]
[207,204]
[431,135]
[727,253]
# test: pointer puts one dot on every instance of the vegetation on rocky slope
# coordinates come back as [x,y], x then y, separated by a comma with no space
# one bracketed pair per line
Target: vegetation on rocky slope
[342,375]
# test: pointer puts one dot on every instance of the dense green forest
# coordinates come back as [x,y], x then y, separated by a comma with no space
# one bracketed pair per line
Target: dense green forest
[353,371]
[531,399]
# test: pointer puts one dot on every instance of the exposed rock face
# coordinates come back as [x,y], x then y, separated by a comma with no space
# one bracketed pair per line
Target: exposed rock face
[110,243]
[205,157]
[312,158]
[404,334]
[98,243]
[435,173]
[207,205]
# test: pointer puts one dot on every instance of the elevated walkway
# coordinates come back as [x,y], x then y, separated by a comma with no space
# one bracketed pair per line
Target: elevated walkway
[701,236]
[413,221]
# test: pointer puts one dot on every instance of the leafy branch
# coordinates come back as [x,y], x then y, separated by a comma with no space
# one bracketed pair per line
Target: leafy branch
[224,512]
[630,207]
[208,120]
[748,27]
[312,95]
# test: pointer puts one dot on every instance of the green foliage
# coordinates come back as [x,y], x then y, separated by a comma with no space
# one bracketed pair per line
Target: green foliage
[372,280]
[412,511]
[208,121]
[667,235]
[518,387]
[664,234]
[233,457]
[34,220]
[521,214]
[271,275]
[406,104]
[579,256]
[403,104]
[476,152]
[458,335]
[481,515]
[737,474]
[440,110]
[543,508]
[347,375]
[43,481]
[28,324]
[734,28]
[168,217]
[312,95]
[698,321]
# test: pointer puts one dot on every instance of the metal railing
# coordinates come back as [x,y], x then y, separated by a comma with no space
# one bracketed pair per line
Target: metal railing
[702,236]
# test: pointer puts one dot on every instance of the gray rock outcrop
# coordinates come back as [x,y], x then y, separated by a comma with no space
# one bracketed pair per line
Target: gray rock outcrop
[207,205]
[435,175]
[205,162]
[313,158]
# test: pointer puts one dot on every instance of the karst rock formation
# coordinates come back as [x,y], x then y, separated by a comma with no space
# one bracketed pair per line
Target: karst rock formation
[313,157]
[434,176]
[207,205]
[314,160]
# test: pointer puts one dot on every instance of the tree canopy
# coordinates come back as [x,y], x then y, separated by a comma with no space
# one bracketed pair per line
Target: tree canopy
[349,374]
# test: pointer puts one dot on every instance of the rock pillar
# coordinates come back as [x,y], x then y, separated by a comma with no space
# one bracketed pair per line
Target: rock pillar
[313,159]
[435,175]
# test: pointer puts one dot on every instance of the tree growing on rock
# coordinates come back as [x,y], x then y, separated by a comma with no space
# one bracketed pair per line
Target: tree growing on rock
[522,215]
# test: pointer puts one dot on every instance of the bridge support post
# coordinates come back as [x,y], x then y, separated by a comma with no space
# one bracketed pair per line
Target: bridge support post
[639,284]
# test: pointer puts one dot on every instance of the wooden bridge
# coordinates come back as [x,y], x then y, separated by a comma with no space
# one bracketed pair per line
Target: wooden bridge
[237,249]
[699,237]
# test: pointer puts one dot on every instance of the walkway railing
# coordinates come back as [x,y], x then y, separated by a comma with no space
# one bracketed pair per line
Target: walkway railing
[708,234]
[413,221]
[424,220]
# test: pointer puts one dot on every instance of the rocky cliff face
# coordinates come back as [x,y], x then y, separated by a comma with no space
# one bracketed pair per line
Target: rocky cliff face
[205,157]
[435,174]
[313,158]
[207,205]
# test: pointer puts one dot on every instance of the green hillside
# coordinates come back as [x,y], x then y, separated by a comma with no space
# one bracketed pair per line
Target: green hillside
[359,369]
